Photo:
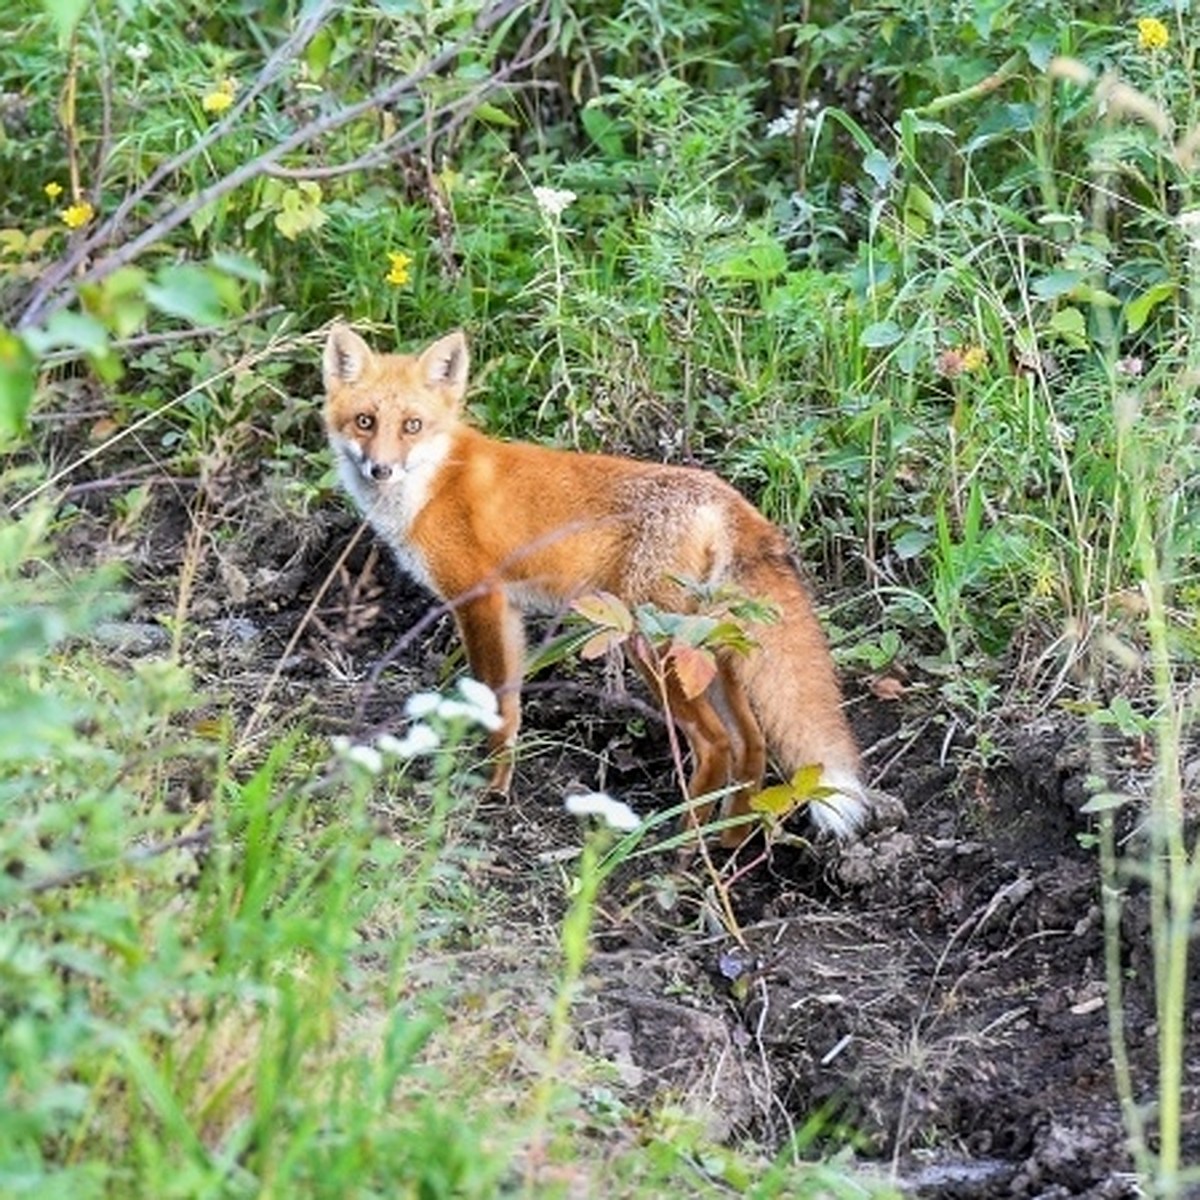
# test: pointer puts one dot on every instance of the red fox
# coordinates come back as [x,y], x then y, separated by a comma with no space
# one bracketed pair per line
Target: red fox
[495,528]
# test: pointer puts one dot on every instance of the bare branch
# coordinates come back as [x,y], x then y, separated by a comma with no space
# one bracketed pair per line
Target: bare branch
[82,248]
[50,294]
[457,111]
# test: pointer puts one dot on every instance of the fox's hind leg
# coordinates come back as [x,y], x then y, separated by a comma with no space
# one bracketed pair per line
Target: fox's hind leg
[749,761]
[707,735]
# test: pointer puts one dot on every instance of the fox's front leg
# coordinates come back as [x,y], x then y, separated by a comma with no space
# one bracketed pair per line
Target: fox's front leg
[494,636]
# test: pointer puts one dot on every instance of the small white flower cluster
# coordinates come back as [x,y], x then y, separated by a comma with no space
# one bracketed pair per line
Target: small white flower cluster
[477,706]
[615,813]
[420,739]
[785,124]
[553,201]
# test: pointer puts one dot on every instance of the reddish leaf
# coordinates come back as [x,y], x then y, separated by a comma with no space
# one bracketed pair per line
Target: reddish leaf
[694,668]
[888,687]
[599,644]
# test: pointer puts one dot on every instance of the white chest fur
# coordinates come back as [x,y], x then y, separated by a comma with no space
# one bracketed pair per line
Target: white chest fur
[392,505]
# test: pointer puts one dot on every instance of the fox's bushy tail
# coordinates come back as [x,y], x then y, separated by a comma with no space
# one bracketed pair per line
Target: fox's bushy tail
[794,692]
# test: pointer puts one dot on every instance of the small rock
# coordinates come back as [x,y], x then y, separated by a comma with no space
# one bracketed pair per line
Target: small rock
[132,637]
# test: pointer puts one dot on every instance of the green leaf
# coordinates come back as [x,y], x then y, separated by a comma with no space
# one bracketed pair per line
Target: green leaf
[189,292]
[17,379]
[878,166]
[493,115]
[806,782]
[65,15]
[880,335]
[605,610]
[862,139]
[1069,324]
[12,241]
[604,130]
[919,203]
[1140,307]
[804,786]
[119,301]
[777,800]
[319,53]
[69,331]
[911,543]
[300,210]
[1104,802]
[1041,49]
[1002,122]
[1056,284]
[763,260]
[240,267]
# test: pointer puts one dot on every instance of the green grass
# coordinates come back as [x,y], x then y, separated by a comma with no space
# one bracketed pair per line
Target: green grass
[227,982]
[942,329]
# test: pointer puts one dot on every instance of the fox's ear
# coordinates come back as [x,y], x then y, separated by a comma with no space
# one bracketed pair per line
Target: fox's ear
[346,357]
[446,363]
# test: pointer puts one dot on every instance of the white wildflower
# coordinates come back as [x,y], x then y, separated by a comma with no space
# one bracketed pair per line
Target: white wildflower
[553,201]
[421,704]
[616,813]
[1189,222]
[784,125]
[479,694]
[137,53]
[485,709]
[366,757]
[420,739]
[459,710]
[478,705]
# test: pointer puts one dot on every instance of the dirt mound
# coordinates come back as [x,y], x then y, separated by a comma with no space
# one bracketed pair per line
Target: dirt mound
[934,992]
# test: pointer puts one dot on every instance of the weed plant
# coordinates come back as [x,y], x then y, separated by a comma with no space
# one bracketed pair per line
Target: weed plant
[922,278]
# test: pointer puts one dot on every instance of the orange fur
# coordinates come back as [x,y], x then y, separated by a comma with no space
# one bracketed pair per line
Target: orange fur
[495,528]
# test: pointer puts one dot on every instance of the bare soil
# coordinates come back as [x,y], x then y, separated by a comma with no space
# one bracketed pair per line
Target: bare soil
[936,991]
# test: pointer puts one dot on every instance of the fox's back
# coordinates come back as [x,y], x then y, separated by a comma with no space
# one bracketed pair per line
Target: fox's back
[457,506]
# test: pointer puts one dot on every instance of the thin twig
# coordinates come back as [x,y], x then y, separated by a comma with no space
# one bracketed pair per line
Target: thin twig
[196,839]
[141,478]
[260,707]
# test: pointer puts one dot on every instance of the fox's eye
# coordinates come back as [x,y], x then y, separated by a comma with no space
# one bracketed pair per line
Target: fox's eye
[412,424]
[365,422]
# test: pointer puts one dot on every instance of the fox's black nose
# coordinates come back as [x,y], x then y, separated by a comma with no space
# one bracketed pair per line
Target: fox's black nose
[381,471]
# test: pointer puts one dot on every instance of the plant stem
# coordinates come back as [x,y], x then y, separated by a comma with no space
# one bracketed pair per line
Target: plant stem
[1110,894]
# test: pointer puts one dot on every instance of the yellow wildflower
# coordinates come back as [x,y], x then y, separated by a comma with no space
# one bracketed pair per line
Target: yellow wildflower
[398,273]
[1152,34]
[53,189]
[973,358]
[78,214]
[220,98]
[959,360]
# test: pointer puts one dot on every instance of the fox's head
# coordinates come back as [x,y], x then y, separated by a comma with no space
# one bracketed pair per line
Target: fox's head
[389,414]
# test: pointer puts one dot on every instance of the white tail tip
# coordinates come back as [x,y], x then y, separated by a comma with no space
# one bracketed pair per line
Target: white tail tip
[844,810]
